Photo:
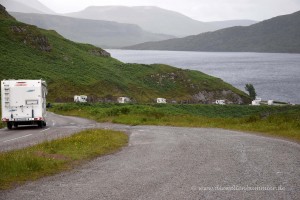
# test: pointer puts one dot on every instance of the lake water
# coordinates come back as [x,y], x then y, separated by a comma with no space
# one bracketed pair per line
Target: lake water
[274,76]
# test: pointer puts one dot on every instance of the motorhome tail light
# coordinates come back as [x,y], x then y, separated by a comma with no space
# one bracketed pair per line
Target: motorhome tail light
[21,84]
[5,120]
[38,119]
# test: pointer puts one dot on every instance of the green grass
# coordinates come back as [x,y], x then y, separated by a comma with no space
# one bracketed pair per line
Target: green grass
[278,121]
[2,125]
[55,156]
[71,69]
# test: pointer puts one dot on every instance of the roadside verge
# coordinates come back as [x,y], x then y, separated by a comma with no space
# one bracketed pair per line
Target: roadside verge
[55,156]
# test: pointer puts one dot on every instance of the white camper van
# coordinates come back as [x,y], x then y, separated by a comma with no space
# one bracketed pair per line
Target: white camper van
[256,102]
[80,98]
[161,100]
[220,102]
[23,102]
[123,100]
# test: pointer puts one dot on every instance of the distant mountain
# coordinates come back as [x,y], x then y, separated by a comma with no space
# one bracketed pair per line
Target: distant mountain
[279,34]
[106,34]
[28,6]
[231,23]
[153,19]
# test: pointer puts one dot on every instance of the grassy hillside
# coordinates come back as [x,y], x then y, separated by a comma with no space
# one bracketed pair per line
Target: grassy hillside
[27,52]
[2,125]
[279,34]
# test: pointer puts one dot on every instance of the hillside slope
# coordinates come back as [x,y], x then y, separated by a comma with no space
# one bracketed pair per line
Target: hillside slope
[279,34]
[153,19]
[27,52]
[106,34]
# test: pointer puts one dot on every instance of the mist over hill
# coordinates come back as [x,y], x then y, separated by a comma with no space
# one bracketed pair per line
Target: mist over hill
[154,19]
[114,26]
[278,34]
[231,23]
[106,34]
[28,6]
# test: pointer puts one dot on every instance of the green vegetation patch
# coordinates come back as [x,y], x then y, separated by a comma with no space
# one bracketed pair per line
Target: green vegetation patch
[2,125]
[279,121]
[52,157]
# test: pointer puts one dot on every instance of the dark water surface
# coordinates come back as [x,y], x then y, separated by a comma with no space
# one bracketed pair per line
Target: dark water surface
[275,76]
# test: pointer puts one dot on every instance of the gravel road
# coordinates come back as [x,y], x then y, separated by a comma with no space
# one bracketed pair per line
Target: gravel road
[57,126]
[170,163]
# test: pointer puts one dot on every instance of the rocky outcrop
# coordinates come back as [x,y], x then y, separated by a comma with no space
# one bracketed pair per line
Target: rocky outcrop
[99,52]
[199,94]
[32,39]
[209,97]
[4,13]
[3,10]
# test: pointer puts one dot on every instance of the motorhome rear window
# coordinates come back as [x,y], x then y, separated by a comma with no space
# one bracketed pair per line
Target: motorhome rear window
[32,102]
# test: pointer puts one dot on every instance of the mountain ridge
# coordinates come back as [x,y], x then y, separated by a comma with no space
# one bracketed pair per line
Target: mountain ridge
[280,34]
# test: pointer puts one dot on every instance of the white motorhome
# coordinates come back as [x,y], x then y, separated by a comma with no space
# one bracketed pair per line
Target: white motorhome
[23,102]
[80,98]
[161,100]
[220,102]
[270,102]
[256,102]
[124,100]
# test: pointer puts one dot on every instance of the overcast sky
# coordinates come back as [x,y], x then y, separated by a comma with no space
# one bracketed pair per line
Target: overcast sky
[203,10]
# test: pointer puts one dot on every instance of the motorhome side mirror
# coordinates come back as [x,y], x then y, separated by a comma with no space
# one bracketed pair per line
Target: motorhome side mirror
[49,105]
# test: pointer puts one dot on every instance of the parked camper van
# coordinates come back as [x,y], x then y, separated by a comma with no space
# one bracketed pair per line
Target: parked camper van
[161,100]
[256,102]
[23,102]
[124,100]
[220,102]
[80,98]
[270,102]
